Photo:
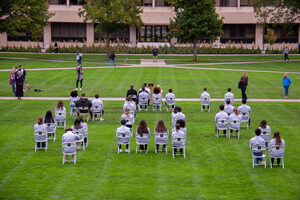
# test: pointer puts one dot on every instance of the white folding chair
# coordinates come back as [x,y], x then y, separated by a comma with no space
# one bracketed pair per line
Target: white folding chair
[143,102]
[84,110]
[170,102]
[277,150]
[161,139]
[235,126]
[59,116]
[51,131]
[245,119]
[123,139]
[142,139]
[69,149]
[73,108]
[257,149]
[266,135]
[222,124]
[178,143]
[97,110]
[80,142]
[205,102]
[40,137]
[156,102]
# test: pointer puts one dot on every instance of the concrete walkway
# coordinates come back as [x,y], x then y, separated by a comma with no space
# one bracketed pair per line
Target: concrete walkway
[123,99]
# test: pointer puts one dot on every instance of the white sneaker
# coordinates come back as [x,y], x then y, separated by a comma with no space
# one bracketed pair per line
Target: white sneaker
[126,150]
[121,150]
[101,119]
[76,89]
[79,88]
[263,162]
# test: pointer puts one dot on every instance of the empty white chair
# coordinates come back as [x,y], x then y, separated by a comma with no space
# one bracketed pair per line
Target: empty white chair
[97,110]
[222,124]
[170,102]
[262,149]
[205,101]
[234,125]
[60,117]
[51,131]
[156,103]
[84,110]
[142,139]
[245,119]
[277,152]
[143,101]
[69,148]
[40,137]
[178,143]
[123,139]
[161,139]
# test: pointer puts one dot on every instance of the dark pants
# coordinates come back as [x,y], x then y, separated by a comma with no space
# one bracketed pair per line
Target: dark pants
[203,106]
[298,50]
[143,147]
[286,90]
[95,115]
[243,90]
[175,150]
[78,82]
[120,146]
[224,131]
[278,161]
[38,144]
[257,159]
[286,56]
[163,147]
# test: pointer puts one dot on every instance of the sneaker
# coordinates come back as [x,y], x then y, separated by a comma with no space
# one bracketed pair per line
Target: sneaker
[121,150]
[79,88]
[76,89]
[126,150]
[263,162]
[101,119]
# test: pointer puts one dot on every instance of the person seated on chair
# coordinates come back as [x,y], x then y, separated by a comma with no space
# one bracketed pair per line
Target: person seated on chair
[58,109]
[182,126]
[265,128]
[84,102]
[161,129]
[177,133]
[144,94]
[228,108]
[77,128]
[132,92]
[204,95]
[74,96]
[146,89]
[129,118]
[229,95]
[257,140]
[130,104]
[69,137]
[49,120]
[174,111]
[84,128]
[276,141]
[235,116]
[221,115]
[161,91]
[179,115]
[123,129]
[40,127]
[156,94]
[170,95]
[245,109]
[99,103]
[141,130]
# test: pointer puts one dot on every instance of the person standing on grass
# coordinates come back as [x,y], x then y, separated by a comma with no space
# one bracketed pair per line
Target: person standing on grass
[243,85]
[286,53]
[23,71]
[19,85]
[112,57]
[79,58]
[299,48]
[155,53]
[286,82]
[79,77]
[12,79]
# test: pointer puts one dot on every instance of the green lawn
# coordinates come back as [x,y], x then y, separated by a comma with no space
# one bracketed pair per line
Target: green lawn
[184,82]
[213,169]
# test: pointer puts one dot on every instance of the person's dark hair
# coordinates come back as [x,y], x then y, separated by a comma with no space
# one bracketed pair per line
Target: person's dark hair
[181,123]
[20,66]
[257,131]
[131,86]
[228,101]
[145,84]
[40,120]
[221,107]
[205,89]
[175,109]
[143,88]
[244,101]
[170,90]
[160,127]
[177,126]
[156,90]
[68,129]
[179,109]
[278,138]
[60,105]
[83,95]
[96,96]
[81,119]
[48,117]
[112,52]
[263,124]
[123,121]
[229,89]
[142,127]
[77,123]
[74,93]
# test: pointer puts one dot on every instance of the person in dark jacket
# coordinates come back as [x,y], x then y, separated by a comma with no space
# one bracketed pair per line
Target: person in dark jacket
[132,92]
[19,85]
[155,53]
[84,102]
[243,85]
[112,57]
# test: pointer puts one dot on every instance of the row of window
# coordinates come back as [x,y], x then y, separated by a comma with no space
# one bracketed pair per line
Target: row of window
[232,33]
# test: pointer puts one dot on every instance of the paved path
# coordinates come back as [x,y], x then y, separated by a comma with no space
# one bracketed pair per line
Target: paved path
[177,99]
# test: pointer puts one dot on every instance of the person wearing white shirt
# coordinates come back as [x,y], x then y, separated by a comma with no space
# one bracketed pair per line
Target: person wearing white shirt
[276,141]
[40,127]
[79,58]
[73,98]
[129,118]
[229,95]
[145,95]
[69,137]
[170,95]
[146,89]
[97,102]
[179,115]
[245,109]
[161,129]
[205,95]
[142,129]
[85,129]
[129,103]
[177,133]
[234,116]
[58,116]
[182,126]
[221,116]
[156,95]
[257,140]
[78,128]
[123,130]
[161,91]
[228,107]
[265,128]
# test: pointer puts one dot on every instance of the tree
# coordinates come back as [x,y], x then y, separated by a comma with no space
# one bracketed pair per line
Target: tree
[270,36]
[195,20]
[24,15]
[112,15]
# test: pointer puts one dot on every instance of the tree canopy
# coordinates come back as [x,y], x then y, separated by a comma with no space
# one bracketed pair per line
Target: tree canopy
[24,15]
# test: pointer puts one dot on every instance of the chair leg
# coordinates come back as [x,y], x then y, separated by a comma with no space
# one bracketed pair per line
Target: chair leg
[252,162]
[136,147]
[75,157]
[184,152]
[173,152]
[282,162]
[271,163]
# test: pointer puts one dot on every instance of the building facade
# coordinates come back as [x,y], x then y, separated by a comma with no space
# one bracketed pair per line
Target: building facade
[66,27]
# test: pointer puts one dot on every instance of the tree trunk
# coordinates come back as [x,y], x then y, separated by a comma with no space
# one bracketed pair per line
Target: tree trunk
[107,45]
[195,50]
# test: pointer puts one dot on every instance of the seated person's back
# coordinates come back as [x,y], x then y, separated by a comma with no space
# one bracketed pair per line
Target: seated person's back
[244,108]
[83,102]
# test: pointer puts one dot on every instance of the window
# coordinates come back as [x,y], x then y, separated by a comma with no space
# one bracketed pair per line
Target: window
[68,32]
[228,3]
[121,35]
[57,2]
[146,3]
[238,33]
[77,2]
[153,34]
[246,3]
[160,3]
[22,36]
[285,34]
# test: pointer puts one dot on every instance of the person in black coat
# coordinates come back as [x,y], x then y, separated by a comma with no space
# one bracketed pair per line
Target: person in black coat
[112,57]
[19,85]
[132,92]
[243,85]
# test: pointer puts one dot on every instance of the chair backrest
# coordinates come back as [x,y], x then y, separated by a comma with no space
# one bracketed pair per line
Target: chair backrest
[142,138]
[69,144]
[79,133]
[83,109]
[143,100]
[277,148]
[258,148]
[40,136]
[96,108]
[69,147]
[72,103]
[60,113]
[50,125]
[222,122]
[170,101]
[123,135]
[205,101]
[178,142]
[156,100]
[235,122]
[161,135]
[245,116]
[266,133]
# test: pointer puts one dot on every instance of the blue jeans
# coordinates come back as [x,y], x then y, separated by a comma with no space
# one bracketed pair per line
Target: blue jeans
[39,144]
[286,90]
[13,86]
[112,61]
[257,159]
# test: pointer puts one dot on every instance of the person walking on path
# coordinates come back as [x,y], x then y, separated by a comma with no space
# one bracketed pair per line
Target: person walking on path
[299,48]
[12,79]
[112,57]
[79,58]
[286,82]
[286,54]
[19,85]
[243,85]
[79,77]
[155,53]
